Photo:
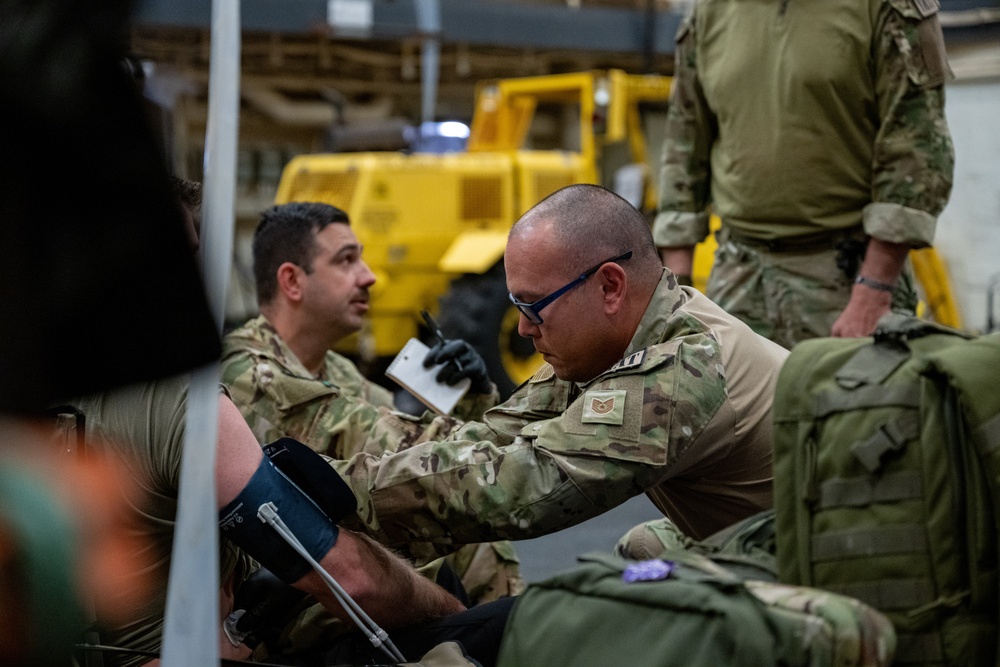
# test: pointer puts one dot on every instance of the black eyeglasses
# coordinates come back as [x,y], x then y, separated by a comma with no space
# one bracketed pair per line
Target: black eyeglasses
[533,310]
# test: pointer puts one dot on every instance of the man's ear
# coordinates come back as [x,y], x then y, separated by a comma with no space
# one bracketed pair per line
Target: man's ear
[290,281]
[614,286]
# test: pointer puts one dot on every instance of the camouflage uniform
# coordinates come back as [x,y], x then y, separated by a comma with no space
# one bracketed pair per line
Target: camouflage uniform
[685,416]
[340,413]
[822,125]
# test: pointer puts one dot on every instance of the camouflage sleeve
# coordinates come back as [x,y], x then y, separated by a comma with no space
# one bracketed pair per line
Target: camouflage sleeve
[685,171]
[913,154]
[473,406]
[376,394]
[619,437]
[277,404]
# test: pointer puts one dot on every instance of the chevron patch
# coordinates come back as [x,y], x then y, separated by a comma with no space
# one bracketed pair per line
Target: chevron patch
[606,406]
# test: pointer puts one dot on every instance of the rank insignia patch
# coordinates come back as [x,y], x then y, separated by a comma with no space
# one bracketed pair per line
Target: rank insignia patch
[604,407]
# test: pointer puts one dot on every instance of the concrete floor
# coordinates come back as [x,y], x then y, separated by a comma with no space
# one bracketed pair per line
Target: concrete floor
[544,556]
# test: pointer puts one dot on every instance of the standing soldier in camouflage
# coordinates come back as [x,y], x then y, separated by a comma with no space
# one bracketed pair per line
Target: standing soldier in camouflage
[312,288]
[649,387]
[819,139]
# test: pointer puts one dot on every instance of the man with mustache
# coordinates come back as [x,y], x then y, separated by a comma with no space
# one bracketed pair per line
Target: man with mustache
[312,290]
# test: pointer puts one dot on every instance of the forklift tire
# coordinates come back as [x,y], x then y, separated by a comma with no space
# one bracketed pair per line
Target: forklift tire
[477,310]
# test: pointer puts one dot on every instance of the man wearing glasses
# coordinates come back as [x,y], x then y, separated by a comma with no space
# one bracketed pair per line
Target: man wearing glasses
[648,387]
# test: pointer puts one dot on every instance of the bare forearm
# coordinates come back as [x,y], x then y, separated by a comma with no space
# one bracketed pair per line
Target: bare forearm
[384,585]
[884,261]
[883,264]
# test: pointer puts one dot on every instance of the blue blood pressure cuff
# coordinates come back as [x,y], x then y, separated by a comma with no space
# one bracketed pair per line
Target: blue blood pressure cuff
[309,497]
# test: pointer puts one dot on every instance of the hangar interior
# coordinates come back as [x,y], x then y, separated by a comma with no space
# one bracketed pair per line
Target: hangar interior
[339,75]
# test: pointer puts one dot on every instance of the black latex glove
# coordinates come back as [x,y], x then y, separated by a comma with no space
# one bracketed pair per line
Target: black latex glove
[267,603]
[460,361]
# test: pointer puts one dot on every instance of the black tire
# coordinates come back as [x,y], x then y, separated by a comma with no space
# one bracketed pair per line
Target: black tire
[477,310]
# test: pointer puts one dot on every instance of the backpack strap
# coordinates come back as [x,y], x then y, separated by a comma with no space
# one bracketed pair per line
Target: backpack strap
[856,542]
[868,396]
[872,364]
[862,376]
[891,436]
[899,327]
[865,490]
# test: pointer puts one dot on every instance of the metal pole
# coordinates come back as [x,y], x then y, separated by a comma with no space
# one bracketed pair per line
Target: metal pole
[429,23]
[192,623]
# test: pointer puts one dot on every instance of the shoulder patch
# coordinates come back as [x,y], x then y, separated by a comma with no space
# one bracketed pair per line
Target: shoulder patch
[546,372]
[604,407]
[631,361]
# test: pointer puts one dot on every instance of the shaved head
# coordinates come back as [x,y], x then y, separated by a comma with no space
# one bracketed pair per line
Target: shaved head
[590,224]
[559,253]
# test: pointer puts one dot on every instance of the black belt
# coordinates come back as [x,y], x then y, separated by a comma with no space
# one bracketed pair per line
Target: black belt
[820,241]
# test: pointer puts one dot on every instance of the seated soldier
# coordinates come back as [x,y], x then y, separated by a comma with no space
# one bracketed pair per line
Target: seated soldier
[312,288]
[143,426]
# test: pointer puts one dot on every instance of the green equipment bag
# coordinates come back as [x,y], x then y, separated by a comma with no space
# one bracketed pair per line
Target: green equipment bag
[683,610]
[746,548]
[886,478]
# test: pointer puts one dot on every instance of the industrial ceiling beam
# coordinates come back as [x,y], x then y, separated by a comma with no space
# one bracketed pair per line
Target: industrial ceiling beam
[475,22]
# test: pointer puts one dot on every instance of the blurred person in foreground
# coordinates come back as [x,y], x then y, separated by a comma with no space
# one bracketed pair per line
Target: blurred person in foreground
[143,427]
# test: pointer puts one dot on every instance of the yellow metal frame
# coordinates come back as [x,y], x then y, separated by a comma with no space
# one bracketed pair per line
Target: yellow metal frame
[932,277]
[424,220]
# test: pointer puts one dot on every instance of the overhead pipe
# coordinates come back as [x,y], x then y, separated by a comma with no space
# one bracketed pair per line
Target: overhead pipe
[287,112]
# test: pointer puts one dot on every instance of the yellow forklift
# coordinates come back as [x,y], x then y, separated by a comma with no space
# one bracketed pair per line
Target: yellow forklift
[434,226]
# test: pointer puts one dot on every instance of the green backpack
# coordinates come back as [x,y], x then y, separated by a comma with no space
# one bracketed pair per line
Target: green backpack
[684,610]
[886,477]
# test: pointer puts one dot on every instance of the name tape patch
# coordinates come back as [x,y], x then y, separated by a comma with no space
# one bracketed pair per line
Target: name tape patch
[631,361]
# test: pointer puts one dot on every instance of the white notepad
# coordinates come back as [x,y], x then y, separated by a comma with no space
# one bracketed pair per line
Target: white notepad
[408,370]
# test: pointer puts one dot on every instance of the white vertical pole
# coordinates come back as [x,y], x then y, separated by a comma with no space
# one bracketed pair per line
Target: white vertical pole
[192,623]
[429,23]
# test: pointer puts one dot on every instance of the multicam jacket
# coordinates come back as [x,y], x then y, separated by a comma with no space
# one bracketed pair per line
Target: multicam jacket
[822,117]
[337,412]
[340,413]
[684,416]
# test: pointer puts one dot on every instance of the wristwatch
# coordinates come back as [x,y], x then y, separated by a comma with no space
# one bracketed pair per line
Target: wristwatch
[874,284]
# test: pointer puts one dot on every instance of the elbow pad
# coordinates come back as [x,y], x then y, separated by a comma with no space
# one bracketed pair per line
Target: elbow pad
[310,498]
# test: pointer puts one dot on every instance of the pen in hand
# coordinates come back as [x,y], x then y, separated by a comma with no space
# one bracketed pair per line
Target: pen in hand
[433,326]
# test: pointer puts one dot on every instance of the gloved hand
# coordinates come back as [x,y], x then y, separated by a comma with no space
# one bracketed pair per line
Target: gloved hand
[263,602]
[460,361]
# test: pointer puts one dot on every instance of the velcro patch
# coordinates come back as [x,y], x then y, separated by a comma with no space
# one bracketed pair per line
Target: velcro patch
[604,407]
[631,361]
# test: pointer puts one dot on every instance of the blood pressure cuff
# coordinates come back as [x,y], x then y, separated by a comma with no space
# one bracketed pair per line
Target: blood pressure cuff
[313,475]
[309,497]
